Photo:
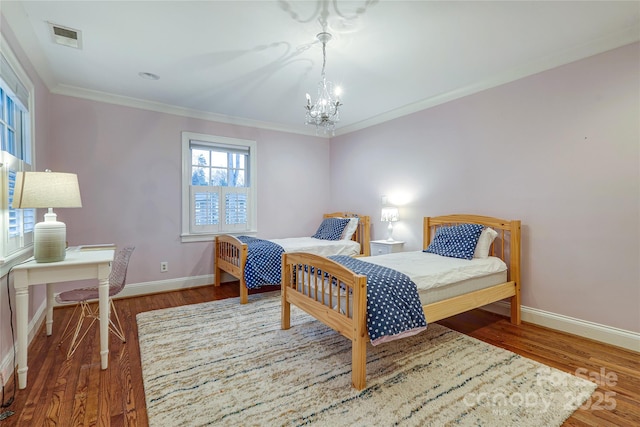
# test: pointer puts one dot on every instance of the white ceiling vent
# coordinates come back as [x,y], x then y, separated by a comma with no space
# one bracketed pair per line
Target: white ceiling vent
[66,36]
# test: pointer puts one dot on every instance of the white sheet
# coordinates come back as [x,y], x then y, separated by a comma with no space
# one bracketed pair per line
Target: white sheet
[429,271]
[319,246]
[436,277]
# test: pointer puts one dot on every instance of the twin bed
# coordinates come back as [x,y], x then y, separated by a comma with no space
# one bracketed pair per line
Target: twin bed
[337,296]
[232,253]
[319,277]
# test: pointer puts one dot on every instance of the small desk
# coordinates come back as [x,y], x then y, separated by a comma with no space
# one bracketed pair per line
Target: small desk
[78,265]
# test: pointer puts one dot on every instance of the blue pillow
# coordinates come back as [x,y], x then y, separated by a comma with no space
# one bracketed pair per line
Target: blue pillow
[331,228]
[456,241]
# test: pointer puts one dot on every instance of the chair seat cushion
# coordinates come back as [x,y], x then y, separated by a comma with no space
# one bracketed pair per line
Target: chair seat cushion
[82,294]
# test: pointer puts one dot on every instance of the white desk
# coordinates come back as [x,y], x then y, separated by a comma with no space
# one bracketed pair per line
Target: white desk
[78,265]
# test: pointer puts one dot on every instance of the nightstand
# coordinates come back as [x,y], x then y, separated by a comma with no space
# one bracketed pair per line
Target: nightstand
[379,247]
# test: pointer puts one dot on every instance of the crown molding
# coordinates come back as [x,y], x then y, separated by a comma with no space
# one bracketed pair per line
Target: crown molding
[159,107]
[621,38]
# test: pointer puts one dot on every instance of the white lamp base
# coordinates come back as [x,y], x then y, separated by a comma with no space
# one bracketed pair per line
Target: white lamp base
[50,239]
[389,232]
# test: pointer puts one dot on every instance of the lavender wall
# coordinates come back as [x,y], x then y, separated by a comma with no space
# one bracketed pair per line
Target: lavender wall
[559,150]
[129,166]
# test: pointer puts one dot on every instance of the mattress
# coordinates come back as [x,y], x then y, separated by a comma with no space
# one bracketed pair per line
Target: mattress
[436,277]
[430,271]
[428,296]
[319,246]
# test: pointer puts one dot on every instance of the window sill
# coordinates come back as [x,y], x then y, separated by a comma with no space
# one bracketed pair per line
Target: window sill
[209,237]
[12,260]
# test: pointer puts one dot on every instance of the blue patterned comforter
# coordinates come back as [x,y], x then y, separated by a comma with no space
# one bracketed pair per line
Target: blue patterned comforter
[264,262]
[393,306]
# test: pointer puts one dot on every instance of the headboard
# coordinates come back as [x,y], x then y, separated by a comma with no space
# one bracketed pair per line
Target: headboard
[506,246]
[363,232]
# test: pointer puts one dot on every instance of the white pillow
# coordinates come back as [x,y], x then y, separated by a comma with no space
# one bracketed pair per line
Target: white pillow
[350,228]
[485,240]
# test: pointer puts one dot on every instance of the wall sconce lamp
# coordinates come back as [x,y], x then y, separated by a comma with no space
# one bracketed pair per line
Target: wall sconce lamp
[390,215]
[47,190]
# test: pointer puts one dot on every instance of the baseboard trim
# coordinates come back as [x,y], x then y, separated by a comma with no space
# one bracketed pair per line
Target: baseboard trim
[138,289]
[606,334]
[619,337]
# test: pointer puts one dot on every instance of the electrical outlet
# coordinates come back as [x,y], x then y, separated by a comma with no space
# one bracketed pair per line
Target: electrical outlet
[164,267]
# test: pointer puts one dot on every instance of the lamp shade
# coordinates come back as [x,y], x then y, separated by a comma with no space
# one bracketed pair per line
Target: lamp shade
[389,214]
[47,190]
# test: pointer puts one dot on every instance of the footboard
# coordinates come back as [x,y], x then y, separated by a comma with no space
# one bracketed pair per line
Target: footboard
[332,294]
[231,256]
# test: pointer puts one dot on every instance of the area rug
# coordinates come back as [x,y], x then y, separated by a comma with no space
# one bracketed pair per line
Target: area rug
[222,363]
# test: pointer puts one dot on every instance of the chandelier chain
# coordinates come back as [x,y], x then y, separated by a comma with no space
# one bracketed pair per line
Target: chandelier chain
[324,57]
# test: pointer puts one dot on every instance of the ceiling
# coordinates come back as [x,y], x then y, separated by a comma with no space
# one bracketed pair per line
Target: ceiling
[251,62]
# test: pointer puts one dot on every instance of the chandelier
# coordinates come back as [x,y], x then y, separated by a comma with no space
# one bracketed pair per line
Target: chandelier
[324,113]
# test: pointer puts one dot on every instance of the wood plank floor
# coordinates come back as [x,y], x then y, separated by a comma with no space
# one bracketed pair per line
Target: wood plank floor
[78,393]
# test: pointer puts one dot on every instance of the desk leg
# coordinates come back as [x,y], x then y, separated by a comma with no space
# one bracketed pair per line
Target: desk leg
[49,309]
[22,320]
[103,294]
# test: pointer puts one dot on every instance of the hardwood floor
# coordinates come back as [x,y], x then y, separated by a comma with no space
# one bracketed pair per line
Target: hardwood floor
[78,393]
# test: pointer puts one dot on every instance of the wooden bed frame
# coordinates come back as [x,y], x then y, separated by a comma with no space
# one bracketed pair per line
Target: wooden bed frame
[230,254]
[350,320]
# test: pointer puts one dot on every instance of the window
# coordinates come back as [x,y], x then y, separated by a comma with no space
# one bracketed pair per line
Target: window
[16,148]
[218,186]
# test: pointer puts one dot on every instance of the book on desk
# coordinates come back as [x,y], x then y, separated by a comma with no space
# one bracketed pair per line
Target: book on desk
[97,247]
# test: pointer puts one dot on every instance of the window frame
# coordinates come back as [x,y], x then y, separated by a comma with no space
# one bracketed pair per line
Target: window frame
[11,254]
[187,235]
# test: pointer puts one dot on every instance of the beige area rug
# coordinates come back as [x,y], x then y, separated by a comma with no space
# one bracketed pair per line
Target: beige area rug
[222,363]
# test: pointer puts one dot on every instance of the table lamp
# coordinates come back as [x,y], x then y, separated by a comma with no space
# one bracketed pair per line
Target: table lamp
[47,190]
[389,214]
